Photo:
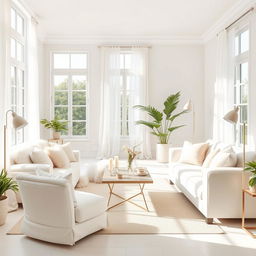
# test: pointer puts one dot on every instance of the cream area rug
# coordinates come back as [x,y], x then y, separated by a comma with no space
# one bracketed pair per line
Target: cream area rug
[170,211]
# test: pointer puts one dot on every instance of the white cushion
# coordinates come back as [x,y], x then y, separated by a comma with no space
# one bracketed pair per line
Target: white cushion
[89,206]
[225,158]
[209,157]
[58,157]
[21,154]
[193,153]
[69,152]
[60,175]
[40,157]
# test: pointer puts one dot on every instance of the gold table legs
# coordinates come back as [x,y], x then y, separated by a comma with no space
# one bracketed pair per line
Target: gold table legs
[111,187]
[247,229]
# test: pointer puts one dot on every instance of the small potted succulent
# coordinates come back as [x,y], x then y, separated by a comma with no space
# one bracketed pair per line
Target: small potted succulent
[6,183]
[251,167]
[56,125]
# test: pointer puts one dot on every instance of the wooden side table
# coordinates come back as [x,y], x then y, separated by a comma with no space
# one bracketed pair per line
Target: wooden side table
[244,227]
[57,141]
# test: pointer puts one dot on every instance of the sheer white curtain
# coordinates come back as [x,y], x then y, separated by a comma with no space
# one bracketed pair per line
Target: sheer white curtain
[4,71]
[252,79]
[224,88]
[33,128]
[138,134]
[109,130]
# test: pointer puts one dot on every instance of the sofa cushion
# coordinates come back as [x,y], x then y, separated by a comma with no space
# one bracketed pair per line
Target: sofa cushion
[21,154]
[209,157]
[193,153]
[69,152]
[189,177]
[38,156]
[89,206]
[58,157]
[224,158]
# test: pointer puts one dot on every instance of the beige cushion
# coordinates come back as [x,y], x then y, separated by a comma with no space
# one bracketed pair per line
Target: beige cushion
[225,158]
[193,153]
[209,157]
[69,152]
[58,157]
[40,157]
[60,175]
[21,154]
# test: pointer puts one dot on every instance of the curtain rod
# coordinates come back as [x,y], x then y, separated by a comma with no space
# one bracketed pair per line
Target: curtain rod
[126,46]
[250,10]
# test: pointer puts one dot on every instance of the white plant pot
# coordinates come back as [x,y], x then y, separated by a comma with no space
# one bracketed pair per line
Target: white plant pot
[56,135]
[162,153]
[252,189]
[3,210]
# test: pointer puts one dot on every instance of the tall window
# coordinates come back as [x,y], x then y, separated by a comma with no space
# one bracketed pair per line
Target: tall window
[18,67]
[69,82]
[125,79]
[241,73]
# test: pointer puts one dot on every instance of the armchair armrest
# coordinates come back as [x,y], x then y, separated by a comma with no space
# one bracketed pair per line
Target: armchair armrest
[28,168]
[77,155]
[174,154]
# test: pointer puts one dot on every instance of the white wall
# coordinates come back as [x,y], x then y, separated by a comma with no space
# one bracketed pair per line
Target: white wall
[171,69]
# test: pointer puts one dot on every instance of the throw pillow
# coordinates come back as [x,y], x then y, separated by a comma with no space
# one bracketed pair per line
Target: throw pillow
[58,157]
[69,152]
[209,157]
[60,175]
[21,154]
[193,153]
[40,157]
[225,158]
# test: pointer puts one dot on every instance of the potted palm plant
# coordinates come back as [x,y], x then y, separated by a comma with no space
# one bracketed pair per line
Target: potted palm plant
[251,167]
[56,125]
[162,124]
[6,183]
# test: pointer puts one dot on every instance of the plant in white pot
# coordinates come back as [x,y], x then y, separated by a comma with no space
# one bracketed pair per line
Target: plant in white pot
[162,124]
[6,183]
[56,125]
[251,167]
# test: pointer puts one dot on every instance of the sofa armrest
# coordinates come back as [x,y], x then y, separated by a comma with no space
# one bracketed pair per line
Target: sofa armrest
[222,191]
[29,168]
[174,154]
[77,155]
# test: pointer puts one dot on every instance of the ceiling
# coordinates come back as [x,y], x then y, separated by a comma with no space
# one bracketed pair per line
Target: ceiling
[161,18]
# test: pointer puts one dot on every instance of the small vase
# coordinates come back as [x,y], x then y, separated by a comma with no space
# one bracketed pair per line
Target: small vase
[252,189]
[56,135]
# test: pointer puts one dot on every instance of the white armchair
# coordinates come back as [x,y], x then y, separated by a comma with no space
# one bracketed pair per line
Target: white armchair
[50,214]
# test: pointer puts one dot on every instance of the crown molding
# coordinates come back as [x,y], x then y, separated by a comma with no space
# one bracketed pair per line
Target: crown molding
[117,39]
[228,17]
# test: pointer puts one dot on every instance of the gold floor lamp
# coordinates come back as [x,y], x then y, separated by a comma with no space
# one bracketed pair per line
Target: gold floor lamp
[18,122]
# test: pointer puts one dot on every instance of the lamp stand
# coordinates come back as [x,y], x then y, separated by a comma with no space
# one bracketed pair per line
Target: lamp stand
[244,127]
[5,143]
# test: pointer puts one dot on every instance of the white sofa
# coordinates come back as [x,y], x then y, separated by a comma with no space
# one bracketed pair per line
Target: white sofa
[20,162]
[216,192]
[51,215]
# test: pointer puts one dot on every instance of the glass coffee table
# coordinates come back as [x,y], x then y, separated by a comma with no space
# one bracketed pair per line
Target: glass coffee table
[127,179]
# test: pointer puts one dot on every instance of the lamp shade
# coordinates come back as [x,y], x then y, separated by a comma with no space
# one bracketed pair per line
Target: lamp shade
[232,116]
[18,121]
[188,106]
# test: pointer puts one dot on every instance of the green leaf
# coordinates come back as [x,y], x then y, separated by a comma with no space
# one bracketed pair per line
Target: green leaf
[7,183]
[148,124]
[171,129]
[171,104]
[153,112]
[252,181]
[171,118]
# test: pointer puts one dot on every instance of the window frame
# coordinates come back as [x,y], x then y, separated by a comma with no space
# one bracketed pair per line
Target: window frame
[239,59]
[69,73]
[18,65]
